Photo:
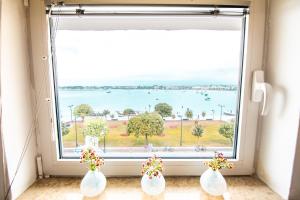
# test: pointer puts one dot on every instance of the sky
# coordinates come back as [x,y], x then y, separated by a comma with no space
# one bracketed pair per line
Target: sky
[147,57]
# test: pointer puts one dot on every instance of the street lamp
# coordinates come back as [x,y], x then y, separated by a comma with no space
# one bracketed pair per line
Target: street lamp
[213,112]
[104,141]
[181,126]
[76,132]
[71,110]
[221,107]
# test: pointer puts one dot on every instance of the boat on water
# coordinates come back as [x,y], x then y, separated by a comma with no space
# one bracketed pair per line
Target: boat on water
[108,92]
[228,113]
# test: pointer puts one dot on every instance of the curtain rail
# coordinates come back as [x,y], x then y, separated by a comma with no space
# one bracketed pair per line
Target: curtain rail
[78,10]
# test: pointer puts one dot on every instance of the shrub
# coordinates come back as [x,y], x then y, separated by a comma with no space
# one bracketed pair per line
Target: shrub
[227,130]
[189,113]
[198,131]
[95,128]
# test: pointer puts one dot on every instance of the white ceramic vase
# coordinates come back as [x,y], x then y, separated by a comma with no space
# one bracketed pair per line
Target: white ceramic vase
[213,182]
[153,186]
[91,141]
[93,183]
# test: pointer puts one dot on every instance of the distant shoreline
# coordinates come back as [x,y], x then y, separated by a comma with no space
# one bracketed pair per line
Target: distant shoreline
[219,87]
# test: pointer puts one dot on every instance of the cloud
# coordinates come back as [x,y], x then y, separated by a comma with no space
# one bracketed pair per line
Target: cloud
[142,56]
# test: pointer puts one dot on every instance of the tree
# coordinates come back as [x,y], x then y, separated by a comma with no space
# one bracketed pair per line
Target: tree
[64,129]
[95,127]
[203,114]
[146,124]
[98,114]
[83,110]
[189,113]
[128,112]
[105,112]
[227,130]
[197,131]
[164,109]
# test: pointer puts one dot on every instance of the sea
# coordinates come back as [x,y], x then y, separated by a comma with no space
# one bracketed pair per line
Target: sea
[141,100]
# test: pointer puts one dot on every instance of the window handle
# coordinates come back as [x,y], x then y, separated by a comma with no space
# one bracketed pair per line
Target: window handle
[261,91]
[48,100]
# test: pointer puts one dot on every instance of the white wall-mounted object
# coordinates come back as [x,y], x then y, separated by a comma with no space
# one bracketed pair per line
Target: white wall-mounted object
[261,91]
[39,166]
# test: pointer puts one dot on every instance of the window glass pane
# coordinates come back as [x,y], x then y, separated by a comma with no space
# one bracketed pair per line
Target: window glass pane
[174,92]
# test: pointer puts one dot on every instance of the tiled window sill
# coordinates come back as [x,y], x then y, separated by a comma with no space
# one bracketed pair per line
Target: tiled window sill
[177,188]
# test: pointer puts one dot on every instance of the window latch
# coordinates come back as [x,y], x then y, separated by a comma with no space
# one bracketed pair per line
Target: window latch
[261,91]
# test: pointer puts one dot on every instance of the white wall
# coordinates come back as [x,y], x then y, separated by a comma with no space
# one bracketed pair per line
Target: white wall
[279,130]
[16,94]
[2,174]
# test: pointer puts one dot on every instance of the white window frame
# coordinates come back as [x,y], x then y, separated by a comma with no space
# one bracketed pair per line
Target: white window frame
[46,127]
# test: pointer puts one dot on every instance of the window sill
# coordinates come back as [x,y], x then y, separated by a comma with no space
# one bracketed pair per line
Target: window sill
[129,188]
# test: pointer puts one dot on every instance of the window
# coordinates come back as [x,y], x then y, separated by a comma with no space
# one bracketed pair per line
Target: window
[166,82]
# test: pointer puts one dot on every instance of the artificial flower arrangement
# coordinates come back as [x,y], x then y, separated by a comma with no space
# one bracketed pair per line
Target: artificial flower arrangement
[90,157]
[94,181]
[212,180]
[219,162]
[152,167]
[153,182]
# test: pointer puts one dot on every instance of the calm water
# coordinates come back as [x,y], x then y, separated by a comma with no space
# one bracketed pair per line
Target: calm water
[139,100]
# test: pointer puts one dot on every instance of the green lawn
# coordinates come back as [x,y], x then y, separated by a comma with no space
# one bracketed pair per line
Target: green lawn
[117,136]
